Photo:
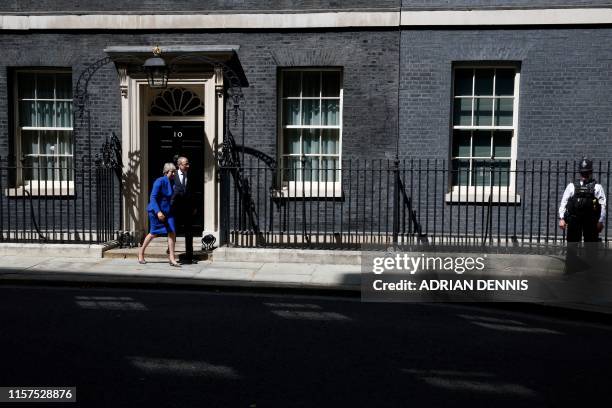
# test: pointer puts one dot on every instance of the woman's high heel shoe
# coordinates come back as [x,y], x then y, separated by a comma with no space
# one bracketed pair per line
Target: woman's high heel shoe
[175,264]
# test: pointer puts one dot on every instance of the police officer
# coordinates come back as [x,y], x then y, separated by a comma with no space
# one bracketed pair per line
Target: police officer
[583,206]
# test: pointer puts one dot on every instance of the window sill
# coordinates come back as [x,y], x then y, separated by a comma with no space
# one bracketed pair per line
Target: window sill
[301,190]
[56,190]
[477,196]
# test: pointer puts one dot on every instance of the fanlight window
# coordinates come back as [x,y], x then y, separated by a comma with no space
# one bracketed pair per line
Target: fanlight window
[177,102]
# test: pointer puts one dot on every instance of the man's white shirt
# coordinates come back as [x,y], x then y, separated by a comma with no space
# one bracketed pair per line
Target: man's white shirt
[599,195]
[181,176]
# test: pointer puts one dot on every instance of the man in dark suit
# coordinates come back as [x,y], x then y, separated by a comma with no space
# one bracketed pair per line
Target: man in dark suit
[184,206]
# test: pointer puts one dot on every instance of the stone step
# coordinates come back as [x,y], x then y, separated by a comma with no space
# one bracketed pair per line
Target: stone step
[152,253]
[180,242]
[157,250]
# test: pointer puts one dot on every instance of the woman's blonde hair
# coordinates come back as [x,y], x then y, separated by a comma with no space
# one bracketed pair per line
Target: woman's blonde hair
[169,167]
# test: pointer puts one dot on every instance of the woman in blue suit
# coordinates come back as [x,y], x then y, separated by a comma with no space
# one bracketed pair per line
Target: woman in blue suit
[161,220]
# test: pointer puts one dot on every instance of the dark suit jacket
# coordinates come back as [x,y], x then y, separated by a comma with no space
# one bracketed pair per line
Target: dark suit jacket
[182,197]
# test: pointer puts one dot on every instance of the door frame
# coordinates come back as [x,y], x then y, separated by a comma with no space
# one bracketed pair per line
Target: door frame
[135,102]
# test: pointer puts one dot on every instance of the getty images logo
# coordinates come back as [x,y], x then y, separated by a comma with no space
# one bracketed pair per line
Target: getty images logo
[412,264]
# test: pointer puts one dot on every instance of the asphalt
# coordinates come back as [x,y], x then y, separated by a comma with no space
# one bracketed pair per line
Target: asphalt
[134,347]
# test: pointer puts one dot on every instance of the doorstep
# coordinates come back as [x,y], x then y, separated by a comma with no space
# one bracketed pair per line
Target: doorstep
[157,250]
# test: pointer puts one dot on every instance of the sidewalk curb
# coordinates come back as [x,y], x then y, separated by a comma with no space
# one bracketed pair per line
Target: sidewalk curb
[71,279]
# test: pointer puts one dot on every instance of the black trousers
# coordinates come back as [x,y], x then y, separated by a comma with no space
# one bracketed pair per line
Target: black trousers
[580,259]
[184,219]
[577,229]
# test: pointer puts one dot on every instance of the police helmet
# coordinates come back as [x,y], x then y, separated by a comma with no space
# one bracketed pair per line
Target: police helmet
[585,166]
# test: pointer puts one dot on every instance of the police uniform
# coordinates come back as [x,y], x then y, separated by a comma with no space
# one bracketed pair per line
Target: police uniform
[583,206]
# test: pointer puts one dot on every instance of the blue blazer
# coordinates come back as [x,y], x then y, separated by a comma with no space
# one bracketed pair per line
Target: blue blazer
[161,196]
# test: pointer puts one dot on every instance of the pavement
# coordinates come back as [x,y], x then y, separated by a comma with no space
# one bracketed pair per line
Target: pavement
[311,277]
[157,271]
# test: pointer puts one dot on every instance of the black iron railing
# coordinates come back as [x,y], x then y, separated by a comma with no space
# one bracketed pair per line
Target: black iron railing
[58,201]
[411,201]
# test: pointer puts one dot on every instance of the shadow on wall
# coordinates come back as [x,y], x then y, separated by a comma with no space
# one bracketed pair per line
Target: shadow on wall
[130,182]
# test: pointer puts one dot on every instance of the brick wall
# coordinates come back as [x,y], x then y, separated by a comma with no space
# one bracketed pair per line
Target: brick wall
[158,6]
[368,59]
[565,97]
[565,88]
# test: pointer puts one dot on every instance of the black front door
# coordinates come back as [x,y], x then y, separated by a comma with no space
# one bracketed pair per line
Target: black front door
[168,141]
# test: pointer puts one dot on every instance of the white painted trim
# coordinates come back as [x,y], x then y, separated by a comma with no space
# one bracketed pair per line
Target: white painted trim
[507,17]
[458,190]
[307,189]
[292,189]
[38,188]
[199,21]
[134,141]
[174,118]
[17,136]
[135,148]
[341,19]
[472,194]
[203,86]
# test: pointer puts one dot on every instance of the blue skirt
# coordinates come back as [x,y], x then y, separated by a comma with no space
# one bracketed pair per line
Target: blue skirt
[161,228]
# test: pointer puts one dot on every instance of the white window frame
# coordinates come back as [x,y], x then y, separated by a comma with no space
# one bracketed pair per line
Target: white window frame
[305,189]
[479,194]
[37,187]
